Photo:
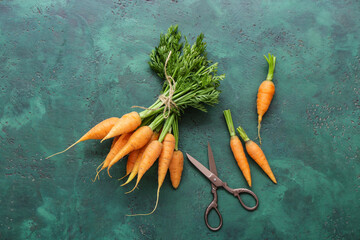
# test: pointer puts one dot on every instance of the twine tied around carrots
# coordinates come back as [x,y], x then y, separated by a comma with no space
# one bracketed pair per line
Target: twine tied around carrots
[166,100]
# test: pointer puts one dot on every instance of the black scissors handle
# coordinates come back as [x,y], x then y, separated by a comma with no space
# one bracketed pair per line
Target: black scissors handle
[213,206]
[240,191]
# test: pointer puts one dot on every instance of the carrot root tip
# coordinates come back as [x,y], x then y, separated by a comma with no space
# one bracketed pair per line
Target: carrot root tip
[146,214]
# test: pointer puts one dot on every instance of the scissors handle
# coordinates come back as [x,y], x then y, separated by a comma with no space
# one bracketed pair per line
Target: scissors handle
[239,191]
[213,206]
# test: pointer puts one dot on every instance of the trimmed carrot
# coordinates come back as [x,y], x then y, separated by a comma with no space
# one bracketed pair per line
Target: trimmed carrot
[152,152]
[127,123]
[257,154]
[237,148]
[117,146]
[176,168]
[141,151]
[137,140]
[99,131]
[266,92]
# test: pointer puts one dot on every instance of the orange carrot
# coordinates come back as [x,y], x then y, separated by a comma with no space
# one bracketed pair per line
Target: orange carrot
[176,168]
[237,148]
[152,152]
[164,162]
[141,151]
[99,131]
[266,92]
[127,123]
[130,162]
[114,141]
[137,140]
[256,153]
[118,145]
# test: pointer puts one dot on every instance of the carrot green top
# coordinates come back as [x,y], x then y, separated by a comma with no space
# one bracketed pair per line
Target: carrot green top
[271,60]
[243,134]
[229,122]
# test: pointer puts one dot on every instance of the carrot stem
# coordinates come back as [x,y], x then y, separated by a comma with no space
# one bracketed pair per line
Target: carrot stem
[229,122]
[271,61]
[157,121]
[166,127]
[243,134]
[175,129]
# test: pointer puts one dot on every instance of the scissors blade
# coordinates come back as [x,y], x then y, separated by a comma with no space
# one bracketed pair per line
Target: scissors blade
[212,164]
[211,176]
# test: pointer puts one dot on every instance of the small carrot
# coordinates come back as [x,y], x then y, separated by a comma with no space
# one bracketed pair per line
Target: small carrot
[165,148]
[266,92]
[256,153]
[117,146]
[130,162]
[176,168]
[127,123]
[164,162]
[114,141]
[99,131]
[152,152]
[137,140]
[237,148]
[141,151]
[177,162]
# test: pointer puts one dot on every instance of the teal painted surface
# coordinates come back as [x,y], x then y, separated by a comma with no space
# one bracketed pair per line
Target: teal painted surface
[66,65]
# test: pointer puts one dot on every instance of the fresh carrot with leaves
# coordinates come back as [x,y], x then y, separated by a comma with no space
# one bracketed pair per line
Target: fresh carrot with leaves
[135,169]
[266,92]
[99,131]
[177,162]
[127,123]
[237,148]
[256,153]
[137,140]
[117,146]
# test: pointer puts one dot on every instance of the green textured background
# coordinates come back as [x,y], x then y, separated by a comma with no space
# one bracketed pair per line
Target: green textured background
[66,65]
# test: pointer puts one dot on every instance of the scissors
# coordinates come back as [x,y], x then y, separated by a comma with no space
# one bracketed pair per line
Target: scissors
[216,182]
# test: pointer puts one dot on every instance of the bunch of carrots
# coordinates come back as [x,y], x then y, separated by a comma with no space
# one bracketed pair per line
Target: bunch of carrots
[265,94]
[190,80]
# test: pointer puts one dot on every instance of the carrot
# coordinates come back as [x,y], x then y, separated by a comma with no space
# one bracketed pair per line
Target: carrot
[266,92]
[141,151]
[164,162]
[117,146]
[114,141]
[176,168]
[99,131]
[256,153]
[177,162]
[130,162]
[152,152]
[137,140]
[127,123]
[237,148]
